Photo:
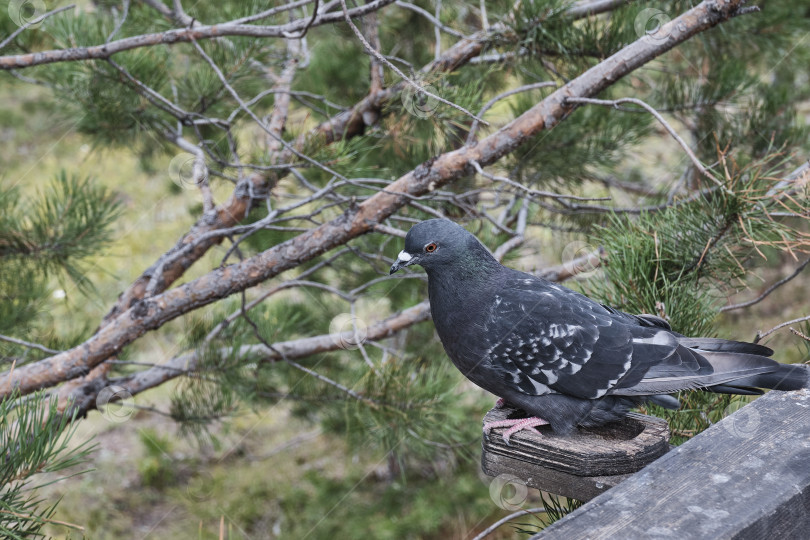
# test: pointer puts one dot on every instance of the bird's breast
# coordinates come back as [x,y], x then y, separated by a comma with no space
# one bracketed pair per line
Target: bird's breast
[463,331]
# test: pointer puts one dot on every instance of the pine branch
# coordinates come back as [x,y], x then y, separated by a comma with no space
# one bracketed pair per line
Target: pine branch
[349,123]
[185,35]
[361,219]
[34,440]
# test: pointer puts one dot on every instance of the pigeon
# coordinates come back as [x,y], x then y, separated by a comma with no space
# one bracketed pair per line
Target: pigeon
[563,358]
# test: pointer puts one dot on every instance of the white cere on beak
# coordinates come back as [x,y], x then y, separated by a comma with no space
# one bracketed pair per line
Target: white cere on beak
[404,256]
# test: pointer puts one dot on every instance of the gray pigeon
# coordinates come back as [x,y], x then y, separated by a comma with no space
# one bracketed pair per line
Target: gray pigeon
[563,358]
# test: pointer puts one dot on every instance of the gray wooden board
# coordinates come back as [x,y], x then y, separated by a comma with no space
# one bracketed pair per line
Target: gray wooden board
[746,477]
[580,465]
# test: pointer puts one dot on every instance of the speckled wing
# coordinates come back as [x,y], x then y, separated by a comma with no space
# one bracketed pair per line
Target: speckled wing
[545,338]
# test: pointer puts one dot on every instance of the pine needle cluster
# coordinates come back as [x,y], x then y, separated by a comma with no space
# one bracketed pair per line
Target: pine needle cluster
[36,451]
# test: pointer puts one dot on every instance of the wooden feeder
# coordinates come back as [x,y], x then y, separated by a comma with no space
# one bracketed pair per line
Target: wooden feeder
[580,465]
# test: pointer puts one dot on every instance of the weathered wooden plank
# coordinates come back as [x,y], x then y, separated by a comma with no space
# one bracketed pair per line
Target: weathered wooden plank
[746,477]
[583,488]
[580,465]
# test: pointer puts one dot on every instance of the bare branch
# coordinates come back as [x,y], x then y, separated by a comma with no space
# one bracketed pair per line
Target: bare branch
[761,335]
[437,34]
[28,344]
[800,175]
[491,529]
[380,58]
[303,33]
[484,19]
[377,76]
[501,96]
[153,96]
[574,267]
[120,23]
[275,11]
[616,102]
[184,35]
[32,22]
[281,105]
[801,335]
[390,230]
[199,174]
[768,291]
[162,8]
[631,187]
[584,8]
[433,20]
[529,191]
[519,237]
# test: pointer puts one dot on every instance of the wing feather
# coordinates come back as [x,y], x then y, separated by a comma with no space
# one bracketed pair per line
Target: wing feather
[559,341]
[556,340]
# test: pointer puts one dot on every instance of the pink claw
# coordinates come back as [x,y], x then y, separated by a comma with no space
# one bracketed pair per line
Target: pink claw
[514,425]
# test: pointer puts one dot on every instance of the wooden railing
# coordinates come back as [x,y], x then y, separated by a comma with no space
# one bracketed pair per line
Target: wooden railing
[747,476]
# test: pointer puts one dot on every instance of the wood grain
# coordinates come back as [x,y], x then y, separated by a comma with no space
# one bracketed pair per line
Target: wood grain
[580,465]
[746,477]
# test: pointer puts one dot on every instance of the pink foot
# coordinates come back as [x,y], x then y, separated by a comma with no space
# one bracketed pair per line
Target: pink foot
[514,425]
[500,404]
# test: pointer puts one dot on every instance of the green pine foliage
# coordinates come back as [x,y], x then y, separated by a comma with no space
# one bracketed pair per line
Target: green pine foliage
[36,452]
[48,235]
[61,227]
[679,262]
[43,237]
[579,43]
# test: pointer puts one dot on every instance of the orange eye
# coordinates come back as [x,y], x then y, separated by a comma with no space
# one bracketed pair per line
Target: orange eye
[430,248]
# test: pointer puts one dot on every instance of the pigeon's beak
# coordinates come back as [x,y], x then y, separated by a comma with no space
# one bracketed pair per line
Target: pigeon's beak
[403,259]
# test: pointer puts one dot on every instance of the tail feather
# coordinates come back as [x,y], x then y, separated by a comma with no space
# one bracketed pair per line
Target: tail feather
[728,356]
[725,345]
[736,390]
[728,367]
[785,377]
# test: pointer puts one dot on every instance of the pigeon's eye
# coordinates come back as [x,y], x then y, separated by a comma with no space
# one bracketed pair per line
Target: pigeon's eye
[430,248]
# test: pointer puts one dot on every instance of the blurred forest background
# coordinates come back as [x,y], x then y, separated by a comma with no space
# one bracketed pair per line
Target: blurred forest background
[200,201]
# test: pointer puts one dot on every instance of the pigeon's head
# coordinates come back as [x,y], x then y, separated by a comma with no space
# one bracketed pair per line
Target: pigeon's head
[439,243]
